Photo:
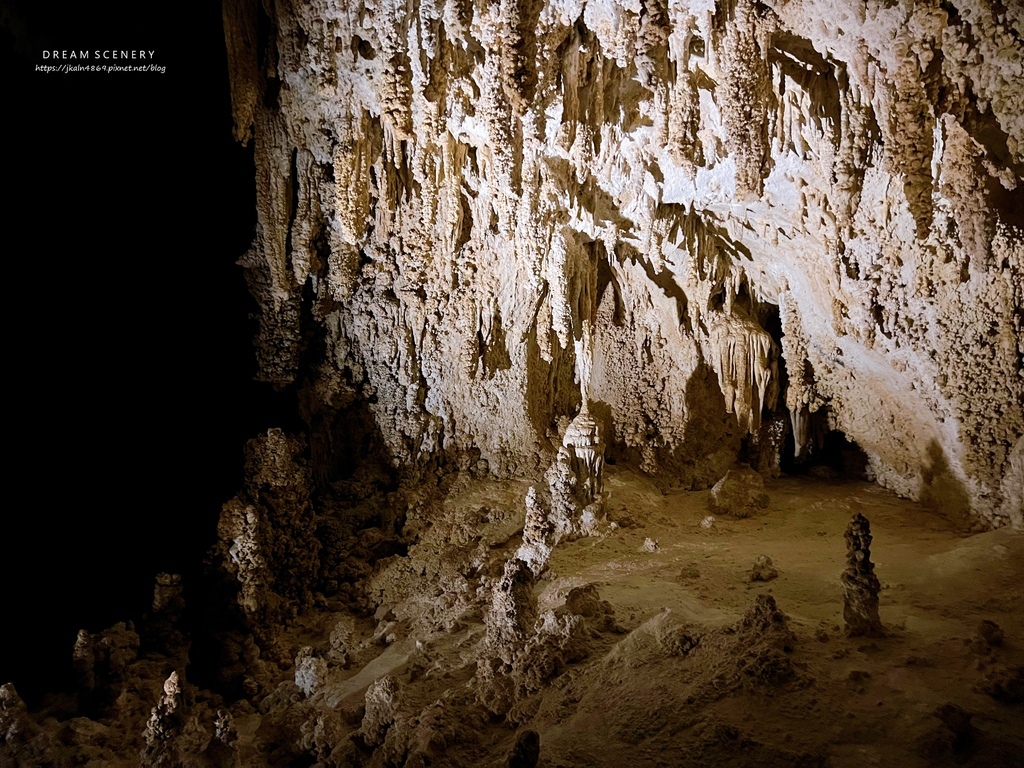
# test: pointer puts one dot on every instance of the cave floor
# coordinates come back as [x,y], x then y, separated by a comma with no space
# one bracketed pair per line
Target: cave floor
[839,701]
[938,585]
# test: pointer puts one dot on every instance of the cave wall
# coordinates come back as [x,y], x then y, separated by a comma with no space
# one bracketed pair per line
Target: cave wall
[472,216]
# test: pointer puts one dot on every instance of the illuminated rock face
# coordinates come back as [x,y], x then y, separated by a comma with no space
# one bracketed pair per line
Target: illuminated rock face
[583,439]
[473,217]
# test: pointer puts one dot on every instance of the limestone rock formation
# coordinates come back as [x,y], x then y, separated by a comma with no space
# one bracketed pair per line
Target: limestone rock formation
[538,534]
[691,219]
[380,710]
[101,662]
[164,725]
[990,634]
[650,545]
[529,272]
[526,751]
[543,645]
[583,439]
[22,741]
[956,735]
[167,595]
[739,493]
[163,627]
[340,642]
[582,655]
[764,569]
[564,494]
[513,613]
[1005,683]
[310,671]
[267,541]
[860,584]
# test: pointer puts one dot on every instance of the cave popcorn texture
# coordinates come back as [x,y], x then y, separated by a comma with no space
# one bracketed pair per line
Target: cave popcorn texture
[483,215]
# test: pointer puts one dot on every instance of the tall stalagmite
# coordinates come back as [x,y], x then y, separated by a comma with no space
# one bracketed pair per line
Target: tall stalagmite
[860,584]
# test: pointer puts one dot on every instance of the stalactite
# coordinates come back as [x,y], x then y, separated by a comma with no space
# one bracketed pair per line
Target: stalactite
[730,155]
[743,356]
[745,93]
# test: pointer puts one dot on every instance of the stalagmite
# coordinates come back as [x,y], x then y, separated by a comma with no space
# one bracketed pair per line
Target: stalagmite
[101,662]
[310,671]
[513,611]
[381,698]
[563,486]
[538,534]
[21,740]
[860,584]
[167,723]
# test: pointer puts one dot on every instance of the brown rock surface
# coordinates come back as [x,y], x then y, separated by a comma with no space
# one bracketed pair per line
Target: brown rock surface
[860,584]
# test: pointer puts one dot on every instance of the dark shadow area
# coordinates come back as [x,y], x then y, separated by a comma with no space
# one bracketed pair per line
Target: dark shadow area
[829,454]
[494,348]
[712,439]
[551,388]
[843,456]
[798,59]
[349,458]
[766,449]
[129,365]
[943,491]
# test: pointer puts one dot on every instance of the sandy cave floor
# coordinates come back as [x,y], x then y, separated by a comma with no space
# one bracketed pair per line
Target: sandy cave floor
[844,702]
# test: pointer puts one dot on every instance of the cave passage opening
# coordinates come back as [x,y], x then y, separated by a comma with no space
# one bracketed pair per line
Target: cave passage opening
[827,453]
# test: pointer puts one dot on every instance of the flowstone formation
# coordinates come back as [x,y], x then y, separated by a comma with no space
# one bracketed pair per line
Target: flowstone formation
[704,221]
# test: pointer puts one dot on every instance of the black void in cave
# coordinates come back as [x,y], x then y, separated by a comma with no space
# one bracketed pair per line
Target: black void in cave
[827,453]
[129,365]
